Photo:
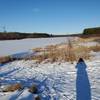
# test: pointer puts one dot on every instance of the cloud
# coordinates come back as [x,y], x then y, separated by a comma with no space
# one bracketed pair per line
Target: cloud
[36,10]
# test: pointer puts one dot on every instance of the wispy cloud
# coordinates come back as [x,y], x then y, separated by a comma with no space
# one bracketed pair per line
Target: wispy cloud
[36,10]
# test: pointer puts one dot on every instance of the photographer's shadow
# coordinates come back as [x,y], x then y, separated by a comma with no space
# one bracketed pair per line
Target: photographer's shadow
[83,91]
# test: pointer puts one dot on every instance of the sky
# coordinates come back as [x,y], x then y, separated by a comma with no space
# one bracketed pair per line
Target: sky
[50,16]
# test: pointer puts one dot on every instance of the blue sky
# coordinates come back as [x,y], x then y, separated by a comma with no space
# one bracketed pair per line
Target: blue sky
[51,16]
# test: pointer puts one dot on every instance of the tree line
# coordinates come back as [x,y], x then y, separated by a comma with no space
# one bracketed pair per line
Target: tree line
[18,35]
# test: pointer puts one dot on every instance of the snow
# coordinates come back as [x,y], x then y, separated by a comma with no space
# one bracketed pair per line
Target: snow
[9,47]
[55,81]
[89,43]
[46,75]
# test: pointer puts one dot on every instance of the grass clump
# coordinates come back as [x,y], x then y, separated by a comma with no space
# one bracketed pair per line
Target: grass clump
[66,52]
[95,48]
[13,87]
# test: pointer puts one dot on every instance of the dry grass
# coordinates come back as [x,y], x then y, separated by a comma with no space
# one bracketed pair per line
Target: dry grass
[13,87]
[69,52]
[38,49]
[37,98]
[33,89]
[90,39]
[82,52]
[66,52]
[57,53]
[5,59]
[95,48]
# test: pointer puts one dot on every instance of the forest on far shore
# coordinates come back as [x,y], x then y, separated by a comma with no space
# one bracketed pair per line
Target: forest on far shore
[18,35]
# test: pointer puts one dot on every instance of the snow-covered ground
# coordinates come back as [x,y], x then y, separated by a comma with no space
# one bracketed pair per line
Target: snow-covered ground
[89,44]
[55,81]
[9,47]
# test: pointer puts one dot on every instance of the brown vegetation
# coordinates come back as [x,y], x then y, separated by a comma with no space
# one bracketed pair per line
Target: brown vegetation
[37,98]
[5,59]
[33,89]
[13,87]
[65,53]
[95,48]
[70,51]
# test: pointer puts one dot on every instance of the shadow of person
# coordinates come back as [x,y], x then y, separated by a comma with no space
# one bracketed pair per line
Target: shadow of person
[83,91]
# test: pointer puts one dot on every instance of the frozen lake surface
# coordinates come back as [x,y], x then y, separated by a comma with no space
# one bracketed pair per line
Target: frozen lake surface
[9,47]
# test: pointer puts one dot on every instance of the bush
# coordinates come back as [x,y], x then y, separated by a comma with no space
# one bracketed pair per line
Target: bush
[37,98]
[33,89]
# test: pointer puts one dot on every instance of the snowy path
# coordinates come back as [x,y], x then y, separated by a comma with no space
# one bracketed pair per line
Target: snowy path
[56,81]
